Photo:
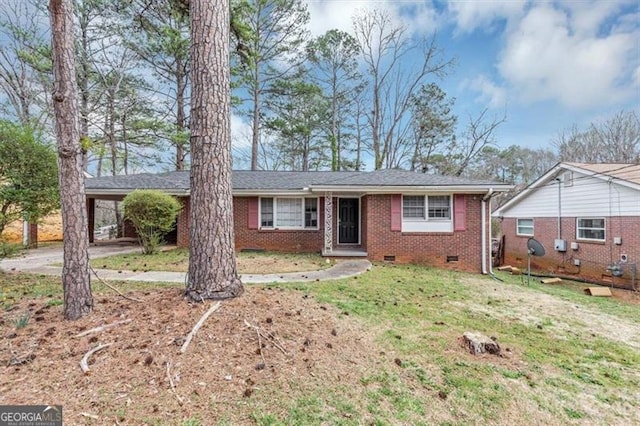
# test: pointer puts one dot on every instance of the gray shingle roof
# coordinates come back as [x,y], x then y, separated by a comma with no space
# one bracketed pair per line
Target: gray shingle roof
[396,177]
[178,181]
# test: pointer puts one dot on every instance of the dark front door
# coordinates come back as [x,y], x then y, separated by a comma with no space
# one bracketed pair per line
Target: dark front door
[348,226]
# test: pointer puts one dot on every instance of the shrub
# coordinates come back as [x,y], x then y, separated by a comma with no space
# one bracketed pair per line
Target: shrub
[8,249]
[153,214]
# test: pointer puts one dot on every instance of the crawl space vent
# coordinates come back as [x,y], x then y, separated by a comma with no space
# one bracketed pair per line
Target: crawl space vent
[452,259]
[389,258]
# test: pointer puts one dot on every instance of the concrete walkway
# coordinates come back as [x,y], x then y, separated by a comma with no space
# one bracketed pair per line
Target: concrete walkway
[40,261]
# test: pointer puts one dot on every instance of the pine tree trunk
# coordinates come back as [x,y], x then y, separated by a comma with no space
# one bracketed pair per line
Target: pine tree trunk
[76,285]
[212,262]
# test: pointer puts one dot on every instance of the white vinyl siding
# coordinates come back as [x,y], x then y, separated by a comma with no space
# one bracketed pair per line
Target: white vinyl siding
[587,197]
[427,213]
[524,227]
[289,213]
[591,229]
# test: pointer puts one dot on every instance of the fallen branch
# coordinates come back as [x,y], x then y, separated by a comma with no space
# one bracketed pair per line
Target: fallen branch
[89,415]
[112,287]
[85,359]
[173,386]
[103,328]
[259,345]
[196,327]
[266,336]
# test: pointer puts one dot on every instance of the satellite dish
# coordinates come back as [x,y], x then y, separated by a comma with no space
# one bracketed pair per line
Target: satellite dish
[535,247]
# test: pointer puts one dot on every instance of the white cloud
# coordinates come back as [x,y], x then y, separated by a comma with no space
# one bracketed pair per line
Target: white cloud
[491,95]
[472,15]
[587,16]
[566,55]
[240,132]
[417,16]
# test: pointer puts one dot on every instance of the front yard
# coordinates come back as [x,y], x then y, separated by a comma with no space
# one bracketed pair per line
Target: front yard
[380,348]
[177,260]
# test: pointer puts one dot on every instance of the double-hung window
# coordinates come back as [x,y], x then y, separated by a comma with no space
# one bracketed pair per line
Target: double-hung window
[427,213]
[524,227]
[413,207]
[590,228]
[436,207]
[289,213]
[439,207]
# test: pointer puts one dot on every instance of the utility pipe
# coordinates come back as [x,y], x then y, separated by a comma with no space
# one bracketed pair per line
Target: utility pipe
[484,229]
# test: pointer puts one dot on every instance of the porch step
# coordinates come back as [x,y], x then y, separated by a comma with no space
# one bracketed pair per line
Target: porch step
[344,253]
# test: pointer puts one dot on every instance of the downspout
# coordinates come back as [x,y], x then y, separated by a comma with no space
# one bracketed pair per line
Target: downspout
[559,208]
[484,229]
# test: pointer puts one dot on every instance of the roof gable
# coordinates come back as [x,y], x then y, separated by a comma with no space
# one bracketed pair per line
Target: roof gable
[627,175]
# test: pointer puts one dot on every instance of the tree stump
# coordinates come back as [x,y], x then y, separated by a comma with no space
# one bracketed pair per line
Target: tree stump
[479,343]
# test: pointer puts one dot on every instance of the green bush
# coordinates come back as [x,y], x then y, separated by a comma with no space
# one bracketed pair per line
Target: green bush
[153,214]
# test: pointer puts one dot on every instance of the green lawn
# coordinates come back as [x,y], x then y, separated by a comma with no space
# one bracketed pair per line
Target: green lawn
[567,357]
[557,369]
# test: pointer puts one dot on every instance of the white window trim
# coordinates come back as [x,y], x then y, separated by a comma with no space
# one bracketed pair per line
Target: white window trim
[426,217]
[275,214]
[604,229]
[427,225]
[533,227]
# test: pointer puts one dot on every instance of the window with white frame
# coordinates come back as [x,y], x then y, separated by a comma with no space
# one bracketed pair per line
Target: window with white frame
[266,212]
[524,227]
[310,212]
[289,212]
[427,213]
[413,207]
[437,207]
[591,228]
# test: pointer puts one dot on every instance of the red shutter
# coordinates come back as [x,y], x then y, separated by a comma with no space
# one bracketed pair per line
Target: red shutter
[396,212]
[459,213]
[252,222]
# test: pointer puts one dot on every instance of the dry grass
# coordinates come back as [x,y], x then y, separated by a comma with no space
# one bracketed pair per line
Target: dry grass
[177,260]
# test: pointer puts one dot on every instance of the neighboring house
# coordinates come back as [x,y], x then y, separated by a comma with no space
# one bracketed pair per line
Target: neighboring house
[389,215]
[587,216]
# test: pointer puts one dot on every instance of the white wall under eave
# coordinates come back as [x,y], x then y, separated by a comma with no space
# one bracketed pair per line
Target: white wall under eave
[587,197]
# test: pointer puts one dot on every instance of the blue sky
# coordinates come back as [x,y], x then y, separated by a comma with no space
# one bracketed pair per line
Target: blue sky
[547,64]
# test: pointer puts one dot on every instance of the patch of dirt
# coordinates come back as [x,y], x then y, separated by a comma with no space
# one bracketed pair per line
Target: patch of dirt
[539,306]
[303,343]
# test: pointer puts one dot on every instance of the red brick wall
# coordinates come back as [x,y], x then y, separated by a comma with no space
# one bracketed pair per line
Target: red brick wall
[307,241]
[594,256]
[377,237]
[424,248]
[303,241]
[182,238]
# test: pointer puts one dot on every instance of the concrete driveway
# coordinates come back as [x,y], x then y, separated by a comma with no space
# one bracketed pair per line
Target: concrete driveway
[39,261]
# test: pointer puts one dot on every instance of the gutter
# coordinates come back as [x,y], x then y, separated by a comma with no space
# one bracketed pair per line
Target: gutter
[408,189]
